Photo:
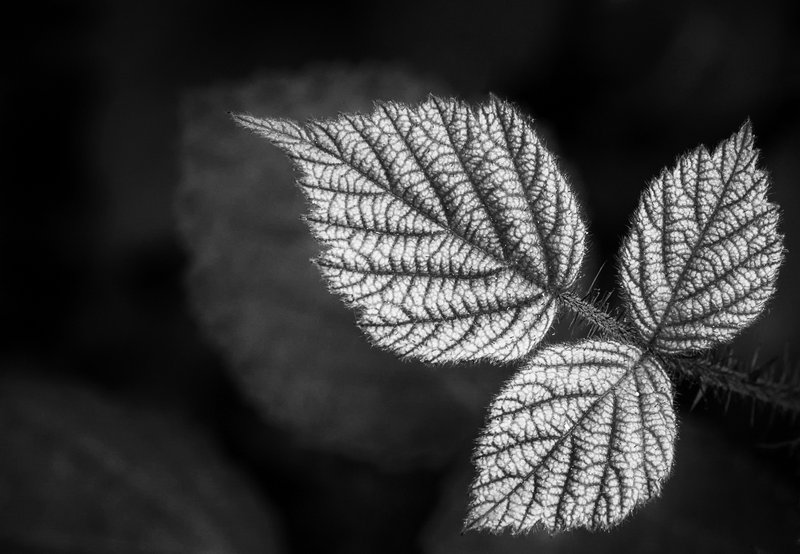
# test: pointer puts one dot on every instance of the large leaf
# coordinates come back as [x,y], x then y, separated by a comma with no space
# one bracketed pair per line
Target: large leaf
[702,256]
[577,438]
[450,228]
[291,346]
[81,473]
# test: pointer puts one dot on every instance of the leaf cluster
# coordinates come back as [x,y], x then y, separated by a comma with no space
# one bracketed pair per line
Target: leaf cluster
[452,232]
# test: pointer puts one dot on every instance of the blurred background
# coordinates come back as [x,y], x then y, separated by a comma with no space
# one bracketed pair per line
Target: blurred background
[174,376]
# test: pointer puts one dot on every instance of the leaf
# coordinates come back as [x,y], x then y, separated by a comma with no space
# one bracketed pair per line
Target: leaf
[723,496]
[81,473]
[449,228]
[290,345]
[577,438]
[702,256]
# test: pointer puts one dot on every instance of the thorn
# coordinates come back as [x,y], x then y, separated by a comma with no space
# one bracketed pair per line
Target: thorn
[574,319]
[596,275]
[697,398]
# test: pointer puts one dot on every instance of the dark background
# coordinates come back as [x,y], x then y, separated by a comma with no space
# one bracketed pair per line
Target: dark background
[91,267]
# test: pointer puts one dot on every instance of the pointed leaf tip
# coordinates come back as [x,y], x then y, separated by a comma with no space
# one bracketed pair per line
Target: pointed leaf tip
[702,256]
[746,130]
[450,229]
[579,437]
[281,132]
[245,120]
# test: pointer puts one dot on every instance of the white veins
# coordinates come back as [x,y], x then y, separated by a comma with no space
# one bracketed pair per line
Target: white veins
[703,253]
[577,438]
[449,228]
[452,232]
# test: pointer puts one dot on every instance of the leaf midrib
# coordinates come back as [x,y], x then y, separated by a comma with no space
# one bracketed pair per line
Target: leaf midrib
[700,239]
[567,434]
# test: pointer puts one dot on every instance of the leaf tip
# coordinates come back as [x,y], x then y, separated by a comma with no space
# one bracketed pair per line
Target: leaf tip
[746,130]
[276,130]
[246,120]
[744,137]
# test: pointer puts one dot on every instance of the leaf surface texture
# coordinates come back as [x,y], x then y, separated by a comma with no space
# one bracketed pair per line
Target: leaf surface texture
[449,228]
[577,438]
[703,253]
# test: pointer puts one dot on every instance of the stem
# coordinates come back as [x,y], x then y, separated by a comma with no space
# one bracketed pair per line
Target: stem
[777,388]
[598,317]
[771,387]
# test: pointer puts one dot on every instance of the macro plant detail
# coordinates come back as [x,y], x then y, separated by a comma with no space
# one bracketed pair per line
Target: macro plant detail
[577,438]
[703,253]
[451,231]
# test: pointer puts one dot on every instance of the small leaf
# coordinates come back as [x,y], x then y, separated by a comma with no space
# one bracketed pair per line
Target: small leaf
[702,257]
[578,438]
[449,228]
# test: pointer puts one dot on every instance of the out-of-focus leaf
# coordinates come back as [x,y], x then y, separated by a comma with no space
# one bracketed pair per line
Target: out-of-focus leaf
[82,474]
[581,435]
[449,228]
[294,348]
[703,253]
[721,497]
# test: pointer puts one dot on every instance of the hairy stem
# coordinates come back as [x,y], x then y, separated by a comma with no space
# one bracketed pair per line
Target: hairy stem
[778,389]
[598,317]
[775,387]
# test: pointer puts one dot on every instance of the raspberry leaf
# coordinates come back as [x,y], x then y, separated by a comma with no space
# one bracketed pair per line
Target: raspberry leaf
[577,438]
[702,256]
[449,228]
